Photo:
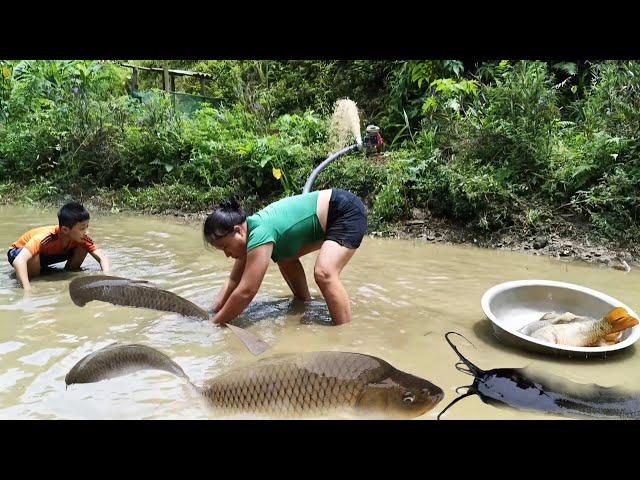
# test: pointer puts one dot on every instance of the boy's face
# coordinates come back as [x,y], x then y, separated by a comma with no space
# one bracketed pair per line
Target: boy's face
[78,231]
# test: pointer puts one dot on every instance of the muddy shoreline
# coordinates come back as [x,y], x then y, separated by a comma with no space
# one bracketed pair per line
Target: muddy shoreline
[562,240]
[566,241]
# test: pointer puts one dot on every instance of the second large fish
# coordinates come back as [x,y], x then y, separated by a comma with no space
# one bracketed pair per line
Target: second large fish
[131,293]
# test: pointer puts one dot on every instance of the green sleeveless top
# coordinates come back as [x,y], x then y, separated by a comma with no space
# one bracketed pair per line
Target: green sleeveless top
[290,224]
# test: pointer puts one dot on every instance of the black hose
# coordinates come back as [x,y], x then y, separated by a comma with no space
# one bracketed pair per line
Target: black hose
[323,165]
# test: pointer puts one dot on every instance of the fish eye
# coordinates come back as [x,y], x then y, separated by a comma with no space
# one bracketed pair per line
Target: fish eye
[408,398]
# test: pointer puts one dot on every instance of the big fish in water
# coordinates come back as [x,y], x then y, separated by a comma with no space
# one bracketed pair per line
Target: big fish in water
[142,294]
[570,329]
[131,293]
[287,385]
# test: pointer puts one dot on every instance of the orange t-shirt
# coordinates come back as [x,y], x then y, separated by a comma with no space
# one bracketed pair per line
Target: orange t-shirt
[47,241]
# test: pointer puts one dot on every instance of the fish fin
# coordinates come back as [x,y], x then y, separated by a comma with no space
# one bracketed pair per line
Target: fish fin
[253,343]
[613,337]
[568,317]
[547,334]
[553,317]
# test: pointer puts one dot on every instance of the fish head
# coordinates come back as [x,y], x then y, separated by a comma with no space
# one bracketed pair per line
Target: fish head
[79,287]
[401,395]
[76,287]
[78,300]
[620,320]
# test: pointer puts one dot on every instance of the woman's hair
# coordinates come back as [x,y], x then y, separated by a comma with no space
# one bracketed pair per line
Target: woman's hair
[221,221]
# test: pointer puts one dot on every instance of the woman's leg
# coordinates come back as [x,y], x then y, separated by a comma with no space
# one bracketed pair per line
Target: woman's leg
[329,264]
[293,273]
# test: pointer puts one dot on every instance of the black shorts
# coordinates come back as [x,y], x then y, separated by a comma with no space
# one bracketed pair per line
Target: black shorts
[346,219]
[45,260]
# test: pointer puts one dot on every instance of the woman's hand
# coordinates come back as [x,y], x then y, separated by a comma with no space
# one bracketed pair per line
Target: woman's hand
[257,262]
[217,305]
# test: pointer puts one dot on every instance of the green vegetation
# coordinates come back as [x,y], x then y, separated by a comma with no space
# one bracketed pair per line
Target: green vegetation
[491,145]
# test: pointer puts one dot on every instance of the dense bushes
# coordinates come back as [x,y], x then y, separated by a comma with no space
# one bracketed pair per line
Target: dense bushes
[488,145]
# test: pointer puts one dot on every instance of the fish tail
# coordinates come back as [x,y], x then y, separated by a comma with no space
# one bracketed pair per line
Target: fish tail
[619,320]
[612,337]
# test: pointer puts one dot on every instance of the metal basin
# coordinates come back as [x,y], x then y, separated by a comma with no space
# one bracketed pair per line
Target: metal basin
[512,305]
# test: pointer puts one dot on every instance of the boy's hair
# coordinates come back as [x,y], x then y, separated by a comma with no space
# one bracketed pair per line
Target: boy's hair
[72,213]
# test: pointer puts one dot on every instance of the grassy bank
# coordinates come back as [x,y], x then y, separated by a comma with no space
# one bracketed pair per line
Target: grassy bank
[487,148]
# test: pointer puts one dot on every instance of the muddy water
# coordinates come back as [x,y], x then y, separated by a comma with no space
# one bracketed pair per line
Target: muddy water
[405,296]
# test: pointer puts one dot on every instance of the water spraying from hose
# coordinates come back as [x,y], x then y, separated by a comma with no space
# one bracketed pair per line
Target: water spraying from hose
[345,126]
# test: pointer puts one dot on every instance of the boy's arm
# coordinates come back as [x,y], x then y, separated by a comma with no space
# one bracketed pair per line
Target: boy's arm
[20,265]
[101,258]
[232,283]
[255,269]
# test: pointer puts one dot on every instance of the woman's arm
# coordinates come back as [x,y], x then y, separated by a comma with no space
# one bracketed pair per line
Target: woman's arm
[232,283]
[257,262]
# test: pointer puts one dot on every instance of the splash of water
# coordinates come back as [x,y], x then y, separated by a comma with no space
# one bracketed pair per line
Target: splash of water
[345,125]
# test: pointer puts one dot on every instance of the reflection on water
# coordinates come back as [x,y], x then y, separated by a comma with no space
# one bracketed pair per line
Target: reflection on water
[405,295]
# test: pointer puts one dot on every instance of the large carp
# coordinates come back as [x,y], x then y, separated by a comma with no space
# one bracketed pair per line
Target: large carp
[142,294]
[286,385]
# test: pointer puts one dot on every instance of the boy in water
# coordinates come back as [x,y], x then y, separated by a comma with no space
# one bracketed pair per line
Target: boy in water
[43,246]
